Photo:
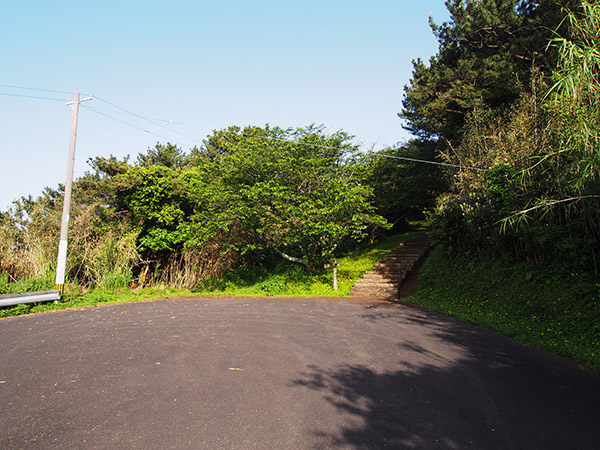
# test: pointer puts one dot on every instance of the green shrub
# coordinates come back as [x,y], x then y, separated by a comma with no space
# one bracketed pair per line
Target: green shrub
[275,285]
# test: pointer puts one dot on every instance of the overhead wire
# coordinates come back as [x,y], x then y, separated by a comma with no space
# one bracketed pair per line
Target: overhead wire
[114,111]
[432,162]
[153,121]
[129,124]
[193,139]
[12,86]
[380,154]
[32,96]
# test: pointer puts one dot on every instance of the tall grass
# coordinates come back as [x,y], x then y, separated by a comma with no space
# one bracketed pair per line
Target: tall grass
[26,254]
[25,284]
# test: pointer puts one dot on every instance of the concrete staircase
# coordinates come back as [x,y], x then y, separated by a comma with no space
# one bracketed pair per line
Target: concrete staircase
[389,273]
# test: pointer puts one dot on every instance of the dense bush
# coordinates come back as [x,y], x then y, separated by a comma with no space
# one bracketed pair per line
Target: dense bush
[536,193]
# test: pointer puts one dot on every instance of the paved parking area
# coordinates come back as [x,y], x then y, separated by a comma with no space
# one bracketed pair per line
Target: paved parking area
[223,373]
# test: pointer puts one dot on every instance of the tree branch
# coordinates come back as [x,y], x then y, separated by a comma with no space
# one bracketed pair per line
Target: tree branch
[304,262]
[551,203]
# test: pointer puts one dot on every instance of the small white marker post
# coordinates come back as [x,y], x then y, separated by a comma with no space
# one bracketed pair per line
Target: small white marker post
[61,262]
[335,265]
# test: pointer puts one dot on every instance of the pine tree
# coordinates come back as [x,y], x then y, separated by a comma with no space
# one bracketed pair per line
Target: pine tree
[485,58]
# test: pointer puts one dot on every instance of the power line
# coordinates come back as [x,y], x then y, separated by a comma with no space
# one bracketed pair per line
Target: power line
[193,139]
[147,119]
[154,122]
[380,154]
[433,162]
[338,148]
[33,96]
[35,89]
[130,124]
[113,111]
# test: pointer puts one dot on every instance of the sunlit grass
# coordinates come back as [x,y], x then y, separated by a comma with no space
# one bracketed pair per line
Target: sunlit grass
[540,305]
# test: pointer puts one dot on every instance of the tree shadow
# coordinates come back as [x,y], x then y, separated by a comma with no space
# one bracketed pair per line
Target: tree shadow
[462,387]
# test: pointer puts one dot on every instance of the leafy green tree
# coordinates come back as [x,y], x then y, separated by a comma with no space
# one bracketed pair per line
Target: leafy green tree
[482,102]
[561,187]
[98,187]
[157,206]
[578,68]
[287,191]
[168,155]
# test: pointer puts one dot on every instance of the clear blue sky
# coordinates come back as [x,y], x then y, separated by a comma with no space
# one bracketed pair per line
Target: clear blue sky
[204,66]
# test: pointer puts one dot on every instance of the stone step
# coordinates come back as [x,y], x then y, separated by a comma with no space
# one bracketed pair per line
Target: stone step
[387,268]
[383,286]
[401,257]
[366,287]
[378,293]
[391,267]
[391,262]
[395,263]
[394,280]
[387,275]
[381,278]
[376,285]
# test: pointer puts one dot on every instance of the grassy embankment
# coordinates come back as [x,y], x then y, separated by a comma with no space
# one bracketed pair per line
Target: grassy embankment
[548,307]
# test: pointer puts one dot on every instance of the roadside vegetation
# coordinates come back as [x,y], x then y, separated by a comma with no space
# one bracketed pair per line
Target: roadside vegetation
[550,307]
[282,279]
[507,111]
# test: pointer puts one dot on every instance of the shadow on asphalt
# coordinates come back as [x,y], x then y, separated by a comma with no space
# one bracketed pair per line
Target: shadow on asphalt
[466,402]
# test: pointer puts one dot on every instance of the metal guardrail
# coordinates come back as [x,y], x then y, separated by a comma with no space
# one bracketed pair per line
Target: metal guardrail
[28,297]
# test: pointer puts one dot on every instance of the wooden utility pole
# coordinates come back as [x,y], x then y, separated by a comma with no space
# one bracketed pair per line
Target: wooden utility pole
[61,262]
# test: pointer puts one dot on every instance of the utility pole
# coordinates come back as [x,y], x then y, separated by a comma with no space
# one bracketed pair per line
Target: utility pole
[61,262]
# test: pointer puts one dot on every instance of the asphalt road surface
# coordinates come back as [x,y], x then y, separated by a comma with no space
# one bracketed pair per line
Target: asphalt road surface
[283,374]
